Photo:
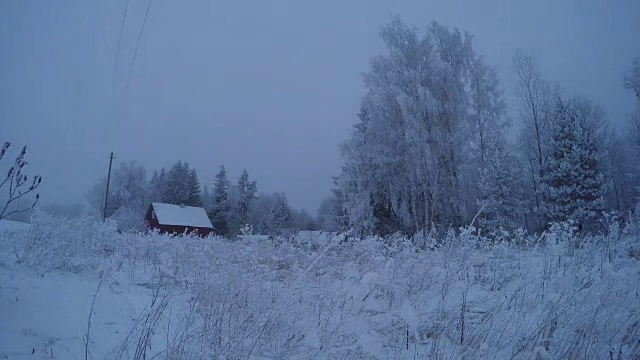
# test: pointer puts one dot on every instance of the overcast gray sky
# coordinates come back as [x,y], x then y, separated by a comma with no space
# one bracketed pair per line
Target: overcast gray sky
[273,86]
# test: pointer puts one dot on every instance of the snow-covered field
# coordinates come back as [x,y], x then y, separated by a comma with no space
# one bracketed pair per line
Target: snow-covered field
[553,296]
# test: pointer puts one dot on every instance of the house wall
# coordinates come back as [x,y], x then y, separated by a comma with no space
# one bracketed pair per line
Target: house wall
[151,222]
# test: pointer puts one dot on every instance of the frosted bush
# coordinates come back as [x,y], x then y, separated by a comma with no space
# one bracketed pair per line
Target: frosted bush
[62,244]
[129,220]
[313,296]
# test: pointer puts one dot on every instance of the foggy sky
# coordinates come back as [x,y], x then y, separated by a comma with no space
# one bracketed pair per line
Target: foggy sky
[273,86]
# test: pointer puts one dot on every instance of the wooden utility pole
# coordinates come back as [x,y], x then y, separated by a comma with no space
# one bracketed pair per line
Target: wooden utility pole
[106,195]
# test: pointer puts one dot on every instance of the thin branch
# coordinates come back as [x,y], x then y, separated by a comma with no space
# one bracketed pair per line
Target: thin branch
[4,149]
[16,180]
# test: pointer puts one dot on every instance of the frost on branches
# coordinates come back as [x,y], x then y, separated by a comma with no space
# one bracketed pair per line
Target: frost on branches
[408,165]
[17,184]
[178,186]
[500,188]
[220,209]
[573,185]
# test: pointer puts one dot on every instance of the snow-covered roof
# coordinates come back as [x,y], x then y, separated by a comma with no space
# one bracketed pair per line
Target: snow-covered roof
[169,214]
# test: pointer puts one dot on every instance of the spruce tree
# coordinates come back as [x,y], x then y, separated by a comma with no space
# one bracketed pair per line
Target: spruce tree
[220,208]
[279,220]
[175,185]
[500,187]
[573,185]
[246,193]
[194,197]
[181,186]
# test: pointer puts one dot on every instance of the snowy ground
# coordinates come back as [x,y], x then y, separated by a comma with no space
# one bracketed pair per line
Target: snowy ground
[45,315]
[555,296]
[7,226]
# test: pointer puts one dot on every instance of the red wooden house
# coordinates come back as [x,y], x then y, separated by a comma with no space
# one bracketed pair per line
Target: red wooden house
[176,219]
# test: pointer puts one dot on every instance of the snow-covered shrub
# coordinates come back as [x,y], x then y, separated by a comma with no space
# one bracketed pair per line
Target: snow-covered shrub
[62,244]
[324,297]
[129,220]
[247,229]
[632,226]
[564,233]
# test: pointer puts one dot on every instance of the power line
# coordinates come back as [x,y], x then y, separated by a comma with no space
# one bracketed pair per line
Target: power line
[135,52]
[115,65]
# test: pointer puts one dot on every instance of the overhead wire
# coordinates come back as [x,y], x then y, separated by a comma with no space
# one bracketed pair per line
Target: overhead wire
[115,65]
[135,52]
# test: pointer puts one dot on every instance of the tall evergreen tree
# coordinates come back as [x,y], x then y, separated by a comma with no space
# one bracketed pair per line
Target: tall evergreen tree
[500,187]
[194,191]
[175,185]
[220,203]
[181,186]
[246,193]
[573,186]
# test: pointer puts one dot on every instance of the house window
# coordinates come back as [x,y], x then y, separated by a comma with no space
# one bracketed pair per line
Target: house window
[153,214]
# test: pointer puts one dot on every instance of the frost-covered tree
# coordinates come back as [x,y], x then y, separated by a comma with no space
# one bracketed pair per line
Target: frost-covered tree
[242,196]
[158,186]
[405,161]
[279,220]
[487,124]
[500,187]
[18,185]
[634,129]
[632,83]
[624,151]
[632,78]
[574,185]
[220,209]
[246,190]
[260,208]
[194,189]
[623,171]
[487,117]
[176,188]
[180,186]
[270,214]
[128,189]
[302,221]
[536,99]
[331,215]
